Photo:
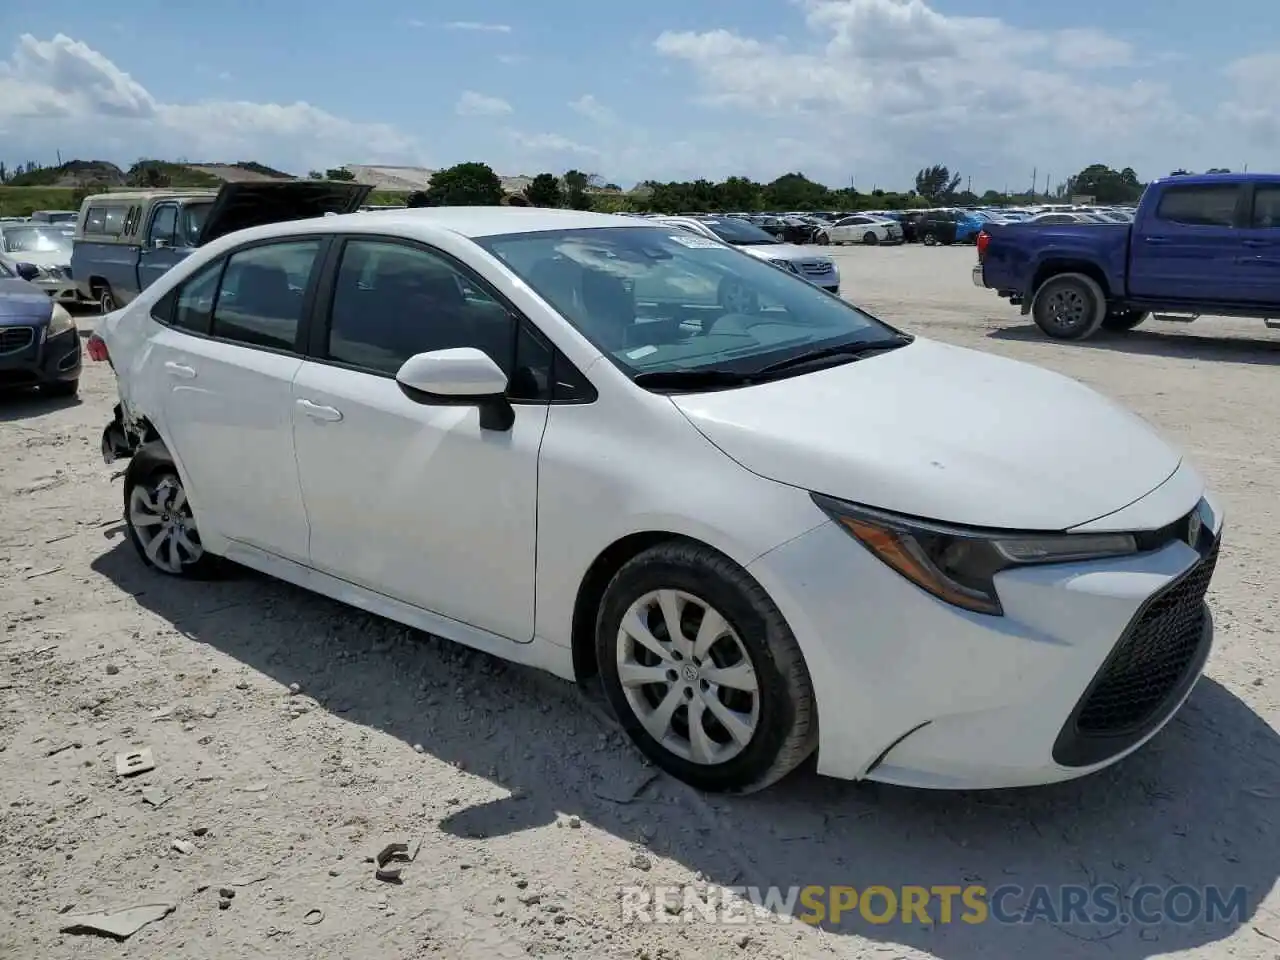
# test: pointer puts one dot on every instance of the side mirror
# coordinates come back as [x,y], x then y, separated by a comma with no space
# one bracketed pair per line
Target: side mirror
[460,376]
[28,271]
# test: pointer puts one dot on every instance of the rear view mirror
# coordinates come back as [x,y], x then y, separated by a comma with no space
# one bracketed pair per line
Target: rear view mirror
[28,271]
[460,376]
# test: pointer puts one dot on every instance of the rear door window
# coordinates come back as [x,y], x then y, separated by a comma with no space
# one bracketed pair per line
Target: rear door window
[262,293]
[1266,207]
[1200,205]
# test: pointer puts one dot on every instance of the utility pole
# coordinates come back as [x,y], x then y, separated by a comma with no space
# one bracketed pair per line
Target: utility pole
[1035,181]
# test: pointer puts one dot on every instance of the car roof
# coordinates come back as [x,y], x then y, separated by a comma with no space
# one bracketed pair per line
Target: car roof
[481,221]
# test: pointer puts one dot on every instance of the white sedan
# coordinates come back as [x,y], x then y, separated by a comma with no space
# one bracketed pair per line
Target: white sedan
[771,527]
[866,229]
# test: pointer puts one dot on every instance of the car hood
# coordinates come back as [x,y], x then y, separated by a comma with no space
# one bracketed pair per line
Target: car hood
[782,251]
[239,206]
[23,302]
[942,433]
[54,258]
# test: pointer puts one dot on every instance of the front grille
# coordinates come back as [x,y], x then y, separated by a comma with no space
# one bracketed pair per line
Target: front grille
[13,339]
[1154,662]
[816,268]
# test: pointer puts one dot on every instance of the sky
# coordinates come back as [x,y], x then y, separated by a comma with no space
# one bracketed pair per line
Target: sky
[846,91]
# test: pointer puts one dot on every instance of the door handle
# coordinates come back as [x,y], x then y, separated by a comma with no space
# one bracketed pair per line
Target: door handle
[179,371]
[318,411]
[1156,239]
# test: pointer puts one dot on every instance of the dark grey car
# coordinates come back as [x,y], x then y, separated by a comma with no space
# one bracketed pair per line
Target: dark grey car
[39,342]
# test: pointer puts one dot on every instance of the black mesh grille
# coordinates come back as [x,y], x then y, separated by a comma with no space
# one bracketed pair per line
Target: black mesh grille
[13,339]
[1152,659]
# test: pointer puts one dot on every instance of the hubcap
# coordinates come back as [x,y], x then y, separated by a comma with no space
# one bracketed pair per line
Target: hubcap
[1066,308]
[166,528]
[688,677]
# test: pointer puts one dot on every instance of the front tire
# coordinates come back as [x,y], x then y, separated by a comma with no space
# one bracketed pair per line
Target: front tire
[1118,321]
[1069,306]
[702,670]
[159,518]
[929,240]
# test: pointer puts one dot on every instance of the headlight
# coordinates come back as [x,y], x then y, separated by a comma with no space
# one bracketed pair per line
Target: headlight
[60,321]
[784,264]
[959,565]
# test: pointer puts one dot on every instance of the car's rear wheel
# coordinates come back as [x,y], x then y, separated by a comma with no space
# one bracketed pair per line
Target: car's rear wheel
[106,299]
[929,240]
[159,518]
[702,670]
[1118,321]
[870,238]
[823,239]
[1070,306]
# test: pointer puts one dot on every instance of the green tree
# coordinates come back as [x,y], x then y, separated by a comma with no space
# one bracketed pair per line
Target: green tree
[544,191]
[339,173]
[937,184]
[795,191]
[575,190]
[465,185]
[741,193]
[1105,185]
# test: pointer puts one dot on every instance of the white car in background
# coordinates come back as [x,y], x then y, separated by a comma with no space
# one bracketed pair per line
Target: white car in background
[771,527]
[865,229]
[821,271]
[47,248]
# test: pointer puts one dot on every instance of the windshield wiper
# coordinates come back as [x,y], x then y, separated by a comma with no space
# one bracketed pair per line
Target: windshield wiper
[705,379]
[854,351]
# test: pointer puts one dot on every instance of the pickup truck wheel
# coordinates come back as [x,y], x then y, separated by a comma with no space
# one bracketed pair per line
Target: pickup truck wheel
[1118,321]
[106,299]
[1069,307]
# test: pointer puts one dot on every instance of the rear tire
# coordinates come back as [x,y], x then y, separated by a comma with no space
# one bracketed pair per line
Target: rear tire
[160,519]
[870,238]
[1070,306]
[929,240]
[1118,321]
[106,299]
[740,677]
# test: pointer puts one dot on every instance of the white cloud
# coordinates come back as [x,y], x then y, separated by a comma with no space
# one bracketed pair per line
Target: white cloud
[1252,105]
[897,84]
[472,104]
[478,26]
[61,92]
[552,143]
[592,109]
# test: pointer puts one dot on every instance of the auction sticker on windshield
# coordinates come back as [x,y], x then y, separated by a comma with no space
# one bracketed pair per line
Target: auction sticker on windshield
[699,243]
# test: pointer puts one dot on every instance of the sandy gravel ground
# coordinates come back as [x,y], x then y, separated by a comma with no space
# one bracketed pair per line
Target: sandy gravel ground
[292,736]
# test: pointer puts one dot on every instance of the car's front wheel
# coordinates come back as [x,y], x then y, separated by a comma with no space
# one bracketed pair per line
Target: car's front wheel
[1118,321]
[702,670]
[158,515]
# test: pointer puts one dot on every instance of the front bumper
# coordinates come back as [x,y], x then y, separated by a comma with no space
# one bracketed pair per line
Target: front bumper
[978,279]
[29,358]
[915,692]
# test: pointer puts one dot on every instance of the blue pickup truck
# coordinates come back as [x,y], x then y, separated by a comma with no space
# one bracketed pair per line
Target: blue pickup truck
[1204,244]
[125,241]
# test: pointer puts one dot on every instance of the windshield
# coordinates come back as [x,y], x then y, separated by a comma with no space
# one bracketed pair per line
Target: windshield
[658,301]
[31,239]
[739,232]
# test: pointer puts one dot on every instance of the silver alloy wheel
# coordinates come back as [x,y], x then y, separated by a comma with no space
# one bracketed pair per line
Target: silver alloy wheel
[163,522]
[688,677]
